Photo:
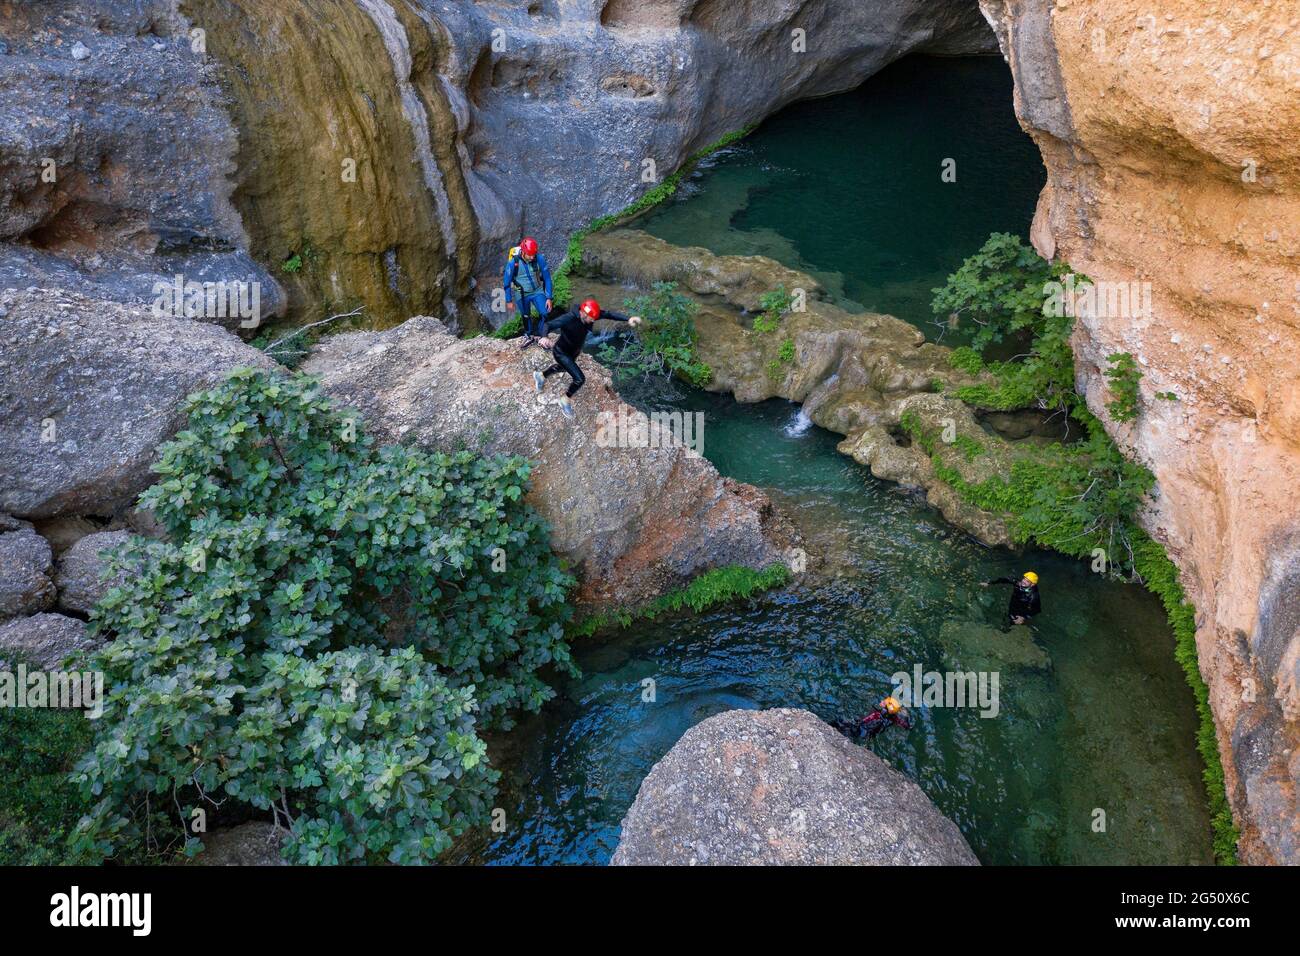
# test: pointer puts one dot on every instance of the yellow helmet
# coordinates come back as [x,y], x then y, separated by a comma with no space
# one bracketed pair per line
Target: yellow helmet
[1031,577]
[891,705]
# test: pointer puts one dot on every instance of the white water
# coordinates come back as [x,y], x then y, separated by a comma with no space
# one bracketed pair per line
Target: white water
[797,425]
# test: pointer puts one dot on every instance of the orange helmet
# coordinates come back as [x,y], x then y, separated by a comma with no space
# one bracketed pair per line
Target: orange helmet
[591,309]
[891,705]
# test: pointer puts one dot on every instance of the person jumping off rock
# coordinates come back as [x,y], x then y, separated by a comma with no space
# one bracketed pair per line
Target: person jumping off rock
[573,327]
[1025,602]
[527,278]
[888,713]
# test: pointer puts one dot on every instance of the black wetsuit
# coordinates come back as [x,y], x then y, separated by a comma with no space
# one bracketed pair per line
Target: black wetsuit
[1025,602]
[866,728]
[568,346]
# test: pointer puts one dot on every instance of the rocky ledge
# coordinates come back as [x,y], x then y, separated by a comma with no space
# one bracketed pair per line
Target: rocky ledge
[870,377]
[782,787]
[636,512]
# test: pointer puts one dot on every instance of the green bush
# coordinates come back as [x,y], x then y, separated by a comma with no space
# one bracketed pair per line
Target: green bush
[664,343]
[39,807]
[322,631]
[1125,377]
[728,583]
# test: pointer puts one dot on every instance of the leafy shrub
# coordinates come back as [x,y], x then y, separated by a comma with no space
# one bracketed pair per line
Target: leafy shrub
[252,653]
[665,342]
[773,306]
[1125,377]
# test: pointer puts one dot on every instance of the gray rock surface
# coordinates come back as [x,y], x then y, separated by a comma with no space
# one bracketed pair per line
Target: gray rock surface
[88,389]
[782,787]
[114,153]
[249,844]
[80,572]
[42,640]
[634,520]
[26,584]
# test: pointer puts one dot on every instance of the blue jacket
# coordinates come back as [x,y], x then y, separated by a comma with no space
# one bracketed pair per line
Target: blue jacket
[517,269]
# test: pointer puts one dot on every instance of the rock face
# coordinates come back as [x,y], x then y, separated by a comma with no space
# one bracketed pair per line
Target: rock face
[25,573]
[634,520]
[88,389]
[782,787]
[1169,139]
[469,124]
[114,148]
[80,576]
[42,640]
[862,375]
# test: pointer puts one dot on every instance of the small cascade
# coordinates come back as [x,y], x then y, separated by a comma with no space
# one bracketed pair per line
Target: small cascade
[797,425]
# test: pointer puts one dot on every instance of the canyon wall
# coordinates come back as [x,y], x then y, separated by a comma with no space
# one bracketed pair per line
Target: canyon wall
[1169,135]
[464,125]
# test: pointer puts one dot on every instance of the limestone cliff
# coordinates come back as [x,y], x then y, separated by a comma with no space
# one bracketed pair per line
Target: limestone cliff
[1169,138]
[469,124]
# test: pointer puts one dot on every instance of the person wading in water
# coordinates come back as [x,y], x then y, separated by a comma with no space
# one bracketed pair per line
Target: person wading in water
[1025,602]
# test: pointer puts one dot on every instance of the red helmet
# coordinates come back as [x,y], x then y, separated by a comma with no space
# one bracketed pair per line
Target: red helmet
[529,246]
[591,309]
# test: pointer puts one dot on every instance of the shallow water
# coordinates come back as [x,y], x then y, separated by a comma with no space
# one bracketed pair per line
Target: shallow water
[1108,726]
[848,188]
[1094,715]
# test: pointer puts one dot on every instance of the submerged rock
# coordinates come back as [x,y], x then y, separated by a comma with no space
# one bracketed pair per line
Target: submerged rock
[635,520]
[782,787]
[88,389]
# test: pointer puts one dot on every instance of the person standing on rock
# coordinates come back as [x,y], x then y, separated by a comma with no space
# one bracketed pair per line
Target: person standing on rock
[888,713]
[572,328]
[527,281]
[1025,602]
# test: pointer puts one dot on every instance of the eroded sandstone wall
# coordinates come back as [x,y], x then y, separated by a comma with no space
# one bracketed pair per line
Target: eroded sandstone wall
[1170,136]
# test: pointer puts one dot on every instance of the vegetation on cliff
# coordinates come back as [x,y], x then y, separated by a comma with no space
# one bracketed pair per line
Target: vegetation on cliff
[322,635]
[1081,498]
[648,200]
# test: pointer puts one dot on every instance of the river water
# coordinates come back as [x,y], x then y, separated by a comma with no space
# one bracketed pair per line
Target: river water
[1090,756]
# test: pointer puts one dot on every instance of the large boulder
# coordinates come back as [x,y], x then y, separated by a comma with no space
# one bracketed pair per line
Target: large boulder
[88,389]
[25,572]
[42,640]
[782,787]
[635,521]
[80,576]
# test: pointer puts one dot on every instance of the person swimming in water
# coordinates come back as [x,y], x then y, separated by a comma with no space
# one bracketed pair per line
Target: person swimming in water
[888,713]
